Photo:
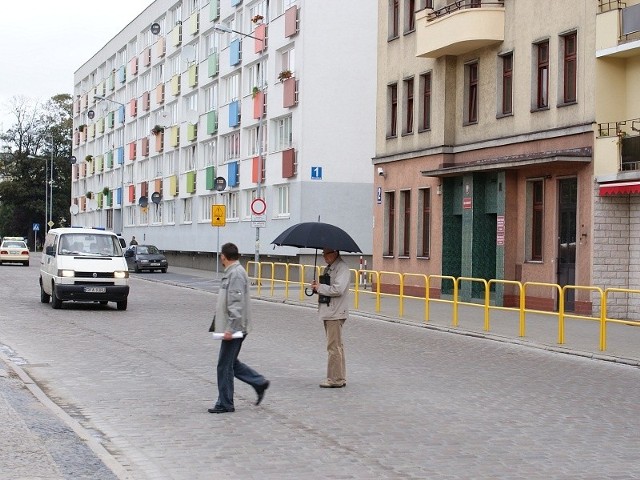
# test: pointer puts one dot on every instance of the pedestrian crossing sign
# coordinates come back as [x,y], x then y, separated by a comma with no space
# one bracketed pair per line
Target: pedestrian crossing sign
[218,215]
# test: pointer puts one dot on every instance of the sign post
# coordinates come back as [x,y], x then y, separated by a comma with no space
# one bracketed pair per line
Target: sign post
[218,219]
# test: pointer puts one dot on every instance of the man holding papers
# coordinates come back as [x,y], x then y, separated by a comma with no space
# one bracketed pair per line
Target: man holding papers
[232,322]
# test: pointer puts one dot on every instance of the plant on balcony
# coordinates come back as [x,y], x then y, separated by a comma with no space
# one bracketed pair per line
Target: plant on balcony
[88,158]
[89,195]
[257,18]
[105,191]
[283,75]
[157,130]
[255,92]
[81,128]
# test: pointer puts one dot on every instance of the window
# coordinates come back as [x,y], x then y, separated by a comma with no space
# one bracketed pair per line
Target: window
[158,74]
[170,212]
[191,102]
[283,201]
[186,210]
[507,84]
[471,81]
[288,60]
[408,105]
[231,88]
[424,222]
[542,76]
[189,156]
[156,213]
[389,223]
[211,98]
[405,223]
[569,67]
[284,135]
[212,42]
[210,152]
[393,109]
[409,15]
[249,197]
[394,18]
[425,101]
[535,219]
[206,202]
[231,204]
[257,76]
[283,5]
[253,140]
[231,144]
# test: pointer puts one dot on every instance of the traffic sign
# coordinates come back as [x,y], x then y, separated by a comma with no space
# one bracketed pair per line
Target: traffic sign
[36,227]
[258,206]
[51,224]
[218,215]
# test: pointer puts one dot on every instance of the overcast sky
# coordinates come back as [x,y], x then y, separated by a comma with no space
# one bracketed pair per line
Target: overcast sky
[43,42]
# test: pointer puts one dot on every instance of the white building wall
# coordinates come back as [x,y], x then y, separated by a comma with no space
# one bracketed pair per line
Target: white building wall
[333,124]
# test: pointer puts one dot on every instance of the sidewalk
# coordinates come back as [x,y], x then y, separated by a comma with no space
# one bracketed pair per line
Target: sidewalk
[581,337]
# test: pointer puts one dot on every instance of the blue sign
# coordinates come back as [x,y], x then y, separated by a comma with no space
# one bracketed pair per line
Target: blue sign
[36,227]
[316,173]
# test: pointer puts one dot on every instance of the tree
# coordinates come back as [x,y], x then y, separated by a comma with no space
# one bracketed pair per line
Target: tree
[41,131]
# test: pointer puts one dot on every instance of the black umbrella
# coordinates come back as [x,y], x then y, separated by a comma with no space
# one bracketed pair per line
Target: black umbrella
[317,235]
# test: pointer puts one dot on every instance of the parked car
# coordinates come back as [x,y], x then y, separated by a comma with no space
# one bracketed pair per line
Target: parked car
[14,250]
[145,257]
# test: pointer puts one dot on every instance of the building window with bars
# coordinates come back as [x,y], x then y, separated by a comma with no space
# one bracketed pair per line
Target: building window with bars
[424,223]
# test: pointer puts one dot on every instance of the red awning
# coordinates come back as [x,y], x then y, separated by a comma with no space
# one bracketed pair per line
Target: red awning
[623,188]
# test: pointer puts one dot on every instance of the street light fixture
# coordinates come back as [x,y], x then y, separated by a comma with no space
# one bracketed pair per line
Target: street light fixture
[48,189]
[218,27]
[100,97]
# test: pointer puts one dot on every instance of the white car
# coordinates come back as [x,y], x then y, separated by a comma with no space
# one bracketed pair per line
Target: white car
[14,250]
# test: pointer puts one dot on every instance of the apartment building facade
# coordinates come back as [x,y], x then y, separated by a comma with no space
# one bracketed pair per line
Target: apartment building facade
[485,146]
[199,104]
[616,222]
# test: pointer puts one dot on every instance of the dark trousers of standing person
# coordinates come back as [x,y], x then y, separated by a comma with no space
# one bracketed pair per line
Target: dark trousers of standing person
[336,370]
[229,367]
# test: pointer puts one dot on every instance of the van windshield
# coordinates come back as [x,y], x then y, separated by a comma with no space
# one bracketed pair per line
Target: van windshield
[89,244]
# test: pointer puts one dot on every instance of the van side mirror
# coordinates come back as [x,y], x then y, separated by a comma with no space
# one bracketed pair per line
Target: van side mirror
[128,253]
[50,250]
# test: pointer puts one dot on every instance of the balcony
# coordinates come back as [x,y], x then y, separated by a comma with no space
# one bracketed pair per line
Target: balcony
[617,30]
[618,149]
[461,27]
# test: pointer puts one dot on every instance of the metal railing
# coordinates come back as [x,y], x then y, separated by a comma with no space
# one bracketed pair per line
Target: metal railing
[281,279]
[461,5]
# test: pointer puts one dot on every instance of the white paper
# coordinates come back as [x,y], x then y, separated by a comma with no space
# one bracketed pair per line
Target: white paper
[220,336]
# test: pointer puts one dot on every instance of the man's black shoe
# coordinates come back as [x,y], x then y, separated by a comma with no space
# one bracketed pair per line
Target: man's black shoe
[218,409]
[260,391]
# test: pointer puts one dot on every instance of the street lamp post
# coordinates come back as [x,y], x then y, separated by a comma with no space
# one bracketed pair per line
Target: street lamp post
[99,97]
[224,29]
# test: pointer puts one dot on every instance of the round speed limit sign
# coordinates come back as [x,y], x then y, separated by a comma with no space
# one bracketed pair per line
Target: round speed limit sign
[258,206]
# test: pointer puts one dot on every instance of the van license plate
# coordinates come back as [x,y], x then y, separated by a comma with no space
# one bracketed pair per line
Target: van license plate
[95,289]
[155,264]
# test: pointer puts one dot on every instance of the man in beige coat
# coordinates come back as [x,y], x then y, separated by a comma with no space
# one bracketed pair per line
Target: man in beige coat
[333,310]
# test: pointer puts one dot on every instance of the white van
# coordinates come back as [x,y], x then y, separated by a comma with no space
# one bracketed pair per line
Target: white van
[83,264]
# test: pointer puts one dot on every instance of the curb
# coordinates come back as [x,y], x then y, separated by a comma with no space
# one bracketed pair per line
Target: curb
[95,446]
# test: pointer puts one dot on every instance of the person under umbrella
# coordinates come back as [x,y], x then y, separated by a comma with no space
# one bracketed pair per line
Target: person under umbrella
[333,309]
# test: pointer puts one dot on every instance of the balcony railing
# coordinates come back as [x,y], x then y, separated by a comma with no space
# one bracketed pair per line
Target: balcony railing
[460,5]
[628,133]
